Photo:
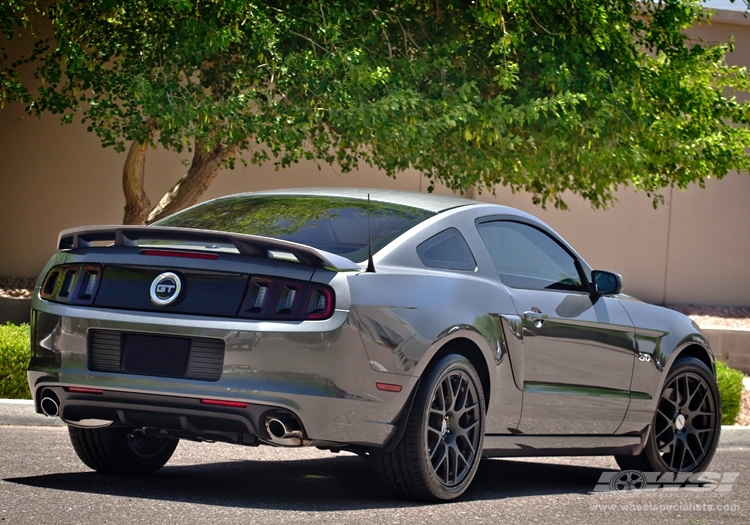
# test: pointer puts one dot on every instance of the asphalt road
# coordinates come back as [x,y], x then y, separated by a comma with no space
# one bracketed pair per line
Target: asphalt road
[42,481]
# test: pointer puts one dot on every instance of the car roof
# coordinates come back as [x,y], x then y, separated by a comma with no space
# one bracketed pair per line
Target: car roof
[426,201]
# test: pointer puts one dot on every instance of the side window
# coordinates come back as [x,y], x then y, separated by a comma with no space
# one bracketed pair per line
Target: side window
[529,258]
[448,250]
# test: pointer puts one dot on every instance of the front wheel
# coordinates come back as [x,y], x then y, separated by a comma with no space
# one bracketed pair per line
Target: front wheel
[440,450]
[685,429]
[119,451]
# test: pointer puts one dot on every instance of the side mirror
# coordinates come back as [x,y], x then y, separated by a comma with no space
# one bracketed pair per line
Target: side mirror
[606,283]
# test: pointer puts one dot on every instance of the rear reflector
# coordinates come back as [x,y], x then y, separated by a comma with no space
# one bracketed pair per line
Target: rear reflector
[186,255]
[222,403]
[82,390]
[388,387]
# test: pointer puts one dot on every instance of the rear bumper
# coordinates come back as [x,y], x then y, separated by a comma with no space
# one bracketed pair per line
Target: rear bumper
[317,371]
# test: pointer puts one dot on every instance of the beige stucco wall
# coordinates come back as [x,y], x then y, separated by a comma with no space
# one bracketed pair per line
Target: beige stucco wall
[695,249]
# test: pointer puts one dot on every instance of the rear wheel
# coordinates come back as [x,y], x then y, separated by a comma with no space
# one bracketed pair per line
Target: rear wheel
[440,450]
[120,451]
[685,430]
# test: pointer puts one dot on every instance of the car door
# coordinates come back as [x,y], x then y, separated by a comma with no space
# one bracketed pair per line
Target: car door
[578,347]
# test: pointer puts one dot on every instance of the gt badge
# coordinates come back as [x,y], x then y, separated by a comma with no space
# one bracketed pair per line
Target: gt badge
[165,289]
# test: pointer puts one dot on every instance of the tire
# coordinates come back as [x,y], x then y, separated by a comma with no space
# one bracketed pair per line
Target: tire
[687,443]
[118,451]
[439,453]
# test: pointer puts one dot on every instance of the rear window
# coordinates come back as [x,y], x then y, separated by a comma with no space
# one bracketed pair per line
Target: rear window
[334,224]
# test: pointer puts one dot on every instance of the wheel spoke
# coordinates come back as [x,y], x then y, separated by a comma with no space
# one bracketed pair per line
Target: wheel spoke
[703,400]
[440,398]
[453,462]
[670,443]
[689,449]
[461,395]
[439,455]
[469,445]
[448,398]
[460,456]
[662,414]
[682,392]
[675,452]
[700,444]
[464,431]
[668,396]
[437,412]
[682,459]
[689,395]
[657,436]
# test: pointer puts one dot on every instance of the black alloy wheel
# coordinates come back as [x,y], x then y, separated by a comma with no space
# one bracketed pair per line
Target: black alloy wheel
[685,422]
[685,430]
[452,427]
[438,455]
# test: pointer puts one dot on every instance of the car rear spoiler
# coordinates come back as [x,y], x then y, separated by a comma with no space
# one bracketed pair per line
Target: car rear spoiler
[253,245]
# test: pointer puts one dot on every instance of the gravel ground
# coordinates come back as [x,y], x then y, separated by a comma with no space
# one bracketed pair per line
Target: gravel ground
[715,316]
[744,417]
[13,288]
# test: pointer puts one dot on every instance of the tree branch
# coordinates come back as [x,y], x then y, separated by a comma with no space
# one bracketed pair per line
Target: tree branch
[203,170]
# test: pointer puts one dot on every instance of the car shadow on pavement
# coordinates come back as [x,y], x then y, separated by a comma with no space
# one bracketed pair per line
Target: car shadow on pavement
[338,483]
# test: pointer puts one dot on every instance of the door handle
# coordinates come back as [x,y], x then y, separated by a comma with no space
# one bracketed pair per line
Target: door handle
[535,316]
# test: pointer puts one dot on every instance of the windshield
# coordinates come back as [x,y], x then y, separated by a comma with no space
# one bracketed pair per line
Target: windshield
[334,224]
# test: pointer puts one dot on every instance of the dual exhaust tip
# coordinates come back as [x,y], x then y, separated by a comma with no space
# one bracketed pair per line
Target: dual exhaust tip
[282,429]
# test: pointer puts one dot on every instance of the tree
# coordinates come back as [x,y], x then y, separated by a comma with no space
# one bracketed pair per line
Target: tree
[545,96]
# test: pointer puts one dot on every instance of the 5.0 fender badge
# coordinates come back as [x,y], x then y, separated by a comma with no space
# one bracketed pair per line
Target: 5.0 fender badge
[165,289]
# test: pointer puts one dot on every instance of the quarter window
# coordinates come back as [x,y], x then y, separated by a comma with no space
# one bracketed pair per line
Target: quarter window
[448,250]
[526,257]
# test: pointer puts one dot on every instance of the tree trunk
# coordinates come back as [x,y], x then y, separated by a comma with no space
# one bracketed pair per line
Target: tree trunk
[205,167]
[137,203]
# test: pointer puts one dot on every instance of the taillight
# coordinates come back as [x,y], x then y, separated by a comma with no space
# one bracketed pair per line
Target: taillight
[269,298]
[184,255]
[72,283]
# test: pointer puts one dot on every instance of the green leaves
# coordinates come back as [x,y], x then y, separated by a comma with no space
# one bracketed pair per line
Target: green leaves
[549,97]
[15,353]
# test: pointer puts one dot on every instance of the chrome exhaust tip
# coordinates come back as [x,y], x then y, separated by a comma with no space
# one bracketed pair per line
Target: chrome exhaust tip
[285,431]
[49,404]
[282,429]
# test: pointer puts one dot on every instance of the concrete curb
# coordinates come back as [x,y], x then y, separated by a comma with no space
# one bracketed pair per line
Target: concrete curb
[20,412]
[734,436]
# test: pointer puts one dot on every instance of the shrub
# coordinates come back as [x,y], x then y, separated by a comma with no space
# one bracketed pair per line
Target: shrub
[730,391]
[15,353]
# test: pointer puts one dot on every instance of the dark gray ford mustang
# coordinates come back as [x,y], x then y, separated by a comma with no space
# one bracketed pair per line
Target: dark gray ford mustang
[422,331]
